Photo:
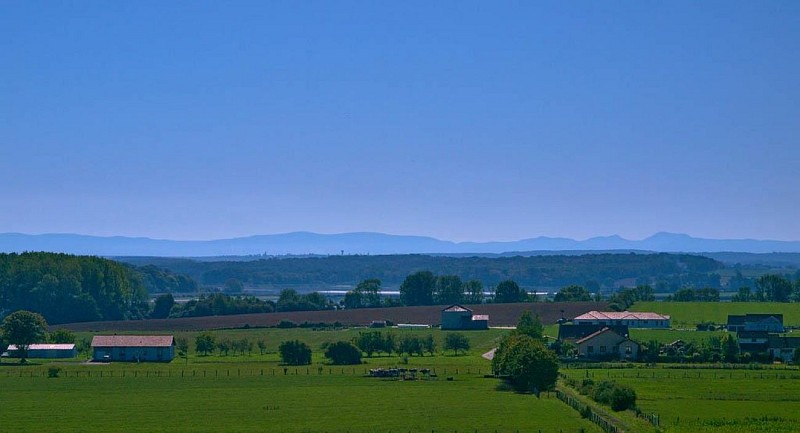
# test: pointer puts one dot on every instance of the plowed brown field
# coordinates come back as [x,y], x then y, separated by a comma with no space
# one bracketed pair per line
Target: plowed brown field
[499,315]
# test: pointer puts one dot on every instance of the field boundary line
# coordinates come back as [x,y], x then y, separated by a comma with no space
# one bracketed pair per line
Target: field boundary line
[592,412]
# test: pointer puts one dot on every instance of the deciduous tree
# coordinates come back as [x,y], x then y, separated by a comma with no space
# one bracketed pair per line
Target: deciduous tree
[23,328]
[455,342]
[527,363]
[365,295]
[162,306]
[530,326]
[61,336]
[509,291]
[182,345]
[295,352]
[343,353]
[473,292]
[417,289]
[573,293]
[204,343]
[449,290]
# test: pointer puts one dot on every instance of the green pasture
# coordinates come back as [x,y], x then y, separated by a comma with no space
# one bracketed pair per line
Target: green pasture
[139,399]
[665,336]
[480,342]
[706,401]
[689,314]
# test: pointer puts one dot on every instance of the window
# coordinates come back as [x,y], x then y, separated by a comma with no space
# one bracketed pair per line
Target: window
[590,349]
[628,350]
[602,349]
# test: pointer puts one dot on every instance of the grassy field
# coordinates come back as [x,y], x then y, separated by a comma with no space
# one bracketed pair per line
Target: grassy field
[277,404]
[664,336]
[480,341]
[254,393]
[718,401]
[689,314]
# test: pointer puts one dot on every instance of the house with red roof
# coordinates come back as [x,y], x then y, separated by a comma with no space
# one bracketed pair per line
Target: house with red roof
[631,319]
[133,348]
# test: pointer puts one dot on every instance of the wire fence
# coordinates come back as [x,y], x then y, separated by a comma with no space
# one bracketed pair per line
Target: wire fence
[52,372]
[691,374]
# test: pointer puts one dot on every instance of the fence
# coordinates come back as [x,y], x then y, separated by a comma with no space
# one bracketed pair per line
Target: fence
[98,372]
[652,418]
[693,374]
[587,412]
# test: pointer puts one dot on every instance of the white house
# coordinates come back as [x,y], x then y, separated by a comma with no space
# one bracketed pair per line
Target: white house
[607,344]
[631,319]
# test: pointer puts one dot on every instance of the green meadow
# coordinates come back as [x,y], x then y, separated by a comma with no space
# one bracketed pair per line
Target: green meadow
[689,314]
[712,401]
[293,403]
[253,392]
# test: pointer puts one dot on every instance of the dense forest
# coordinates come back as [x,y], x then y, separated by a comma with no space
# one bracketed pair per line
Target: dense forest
[667,272]
[65,288]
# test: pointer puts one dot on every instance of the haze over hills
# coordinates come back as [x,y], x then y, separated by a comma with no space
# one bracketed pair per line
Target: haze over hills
[303,243]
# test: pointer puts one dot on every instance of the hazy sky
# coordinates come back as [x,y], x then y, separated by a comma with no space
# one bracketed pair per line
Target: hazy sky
[459,120]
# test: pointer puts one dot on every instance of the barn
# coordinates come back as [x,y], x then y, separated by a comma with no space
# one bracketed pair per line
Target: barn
[45,351]
[461,318]
[631,319]
[133,348]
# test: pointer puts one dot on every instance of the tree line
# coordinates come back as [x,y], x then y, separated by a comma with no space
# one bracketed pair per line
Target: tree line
[66,288]
[667,272]
[296,352]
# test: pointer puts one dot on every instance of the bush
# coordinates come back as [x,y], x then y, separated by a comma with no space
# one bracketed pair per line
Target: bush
[295,352]
[586,386]
[286,324]
[623,397]
[343,353]
[53,372]
[610,393]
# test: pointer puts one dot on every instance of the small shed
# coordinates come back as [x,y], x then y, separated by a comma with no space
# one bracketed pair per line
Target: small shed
[137,348]
[45,351]
[458,317]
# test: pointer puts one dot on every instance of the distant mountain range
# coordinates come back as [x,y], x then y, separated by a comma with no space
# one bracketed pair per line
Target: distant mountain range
[305,243]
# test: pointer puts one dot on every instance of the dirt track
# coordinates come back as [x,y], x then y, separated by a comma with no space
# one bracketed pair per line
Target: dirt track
[499,315]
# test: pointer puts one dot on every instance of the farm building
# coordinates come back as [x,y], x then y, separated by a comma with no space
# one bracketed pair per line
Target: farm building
[48,351]
[607,344]
[158,348]
[631,319]
[457,317]
[568,332]
[753,341]
[783,348]
[755,322]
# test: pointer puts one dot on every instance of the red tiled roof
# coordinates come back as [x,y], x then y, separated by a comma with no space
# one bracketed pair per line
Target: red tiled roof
[621,315]
[132,341]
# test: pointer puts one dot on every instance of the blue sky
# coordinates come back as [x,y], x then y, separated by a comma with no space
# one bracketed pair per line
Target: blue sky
[459,120]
